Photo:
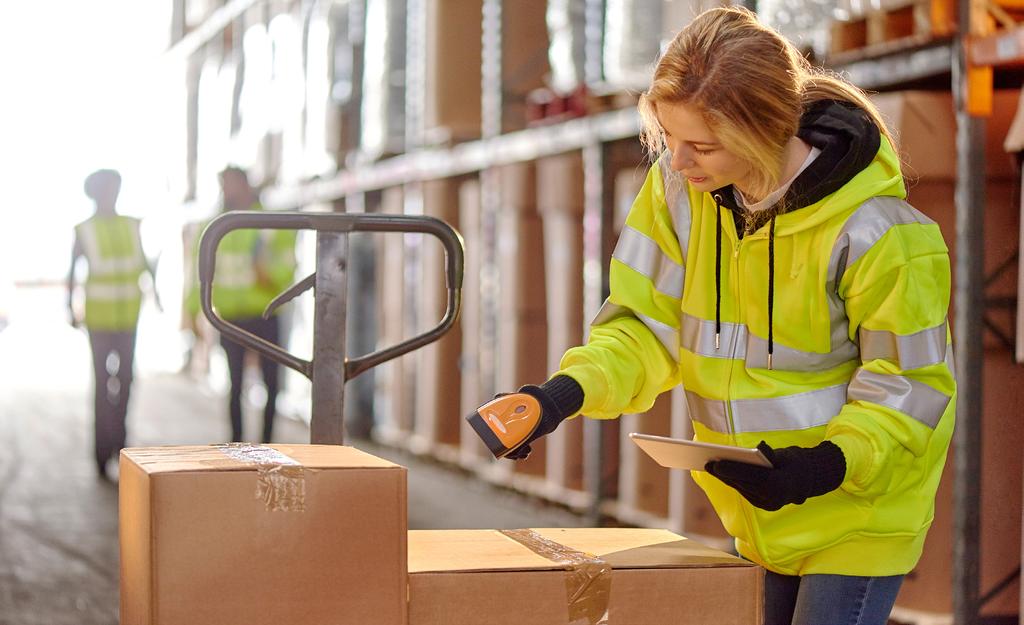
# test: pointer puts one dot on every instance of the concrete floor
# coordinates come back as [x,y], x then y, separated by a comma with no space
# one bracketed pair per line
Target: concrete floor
[58,521]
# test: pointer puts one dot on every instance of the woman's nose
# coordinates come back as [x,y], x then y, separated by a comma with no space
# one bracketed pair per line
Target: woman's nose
[682,158]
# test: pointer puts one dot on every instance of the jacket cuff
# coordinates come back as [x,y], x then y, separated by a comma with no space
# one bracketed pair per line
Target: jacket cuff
[565,393]
[858,453]
[828,466]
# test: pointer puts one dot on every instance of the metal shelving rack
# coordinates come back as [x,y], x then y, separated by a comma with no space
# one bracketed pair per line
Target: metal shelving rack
[593,136]
[966,51]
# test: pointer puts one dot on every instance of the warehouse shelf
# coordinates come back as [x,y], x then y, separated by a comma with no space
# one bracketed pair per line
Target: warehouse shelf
[893,61]
[208,30]
[1002,49]
[920,61]
[464,158]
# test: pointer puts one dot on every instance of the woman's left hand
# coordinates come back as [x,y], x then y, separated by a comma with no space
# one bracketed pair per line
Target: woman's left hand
[796,474]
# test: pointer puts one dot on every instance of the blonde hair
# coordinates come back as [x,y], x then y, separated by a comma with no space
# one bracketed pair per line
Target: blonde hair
[751,86]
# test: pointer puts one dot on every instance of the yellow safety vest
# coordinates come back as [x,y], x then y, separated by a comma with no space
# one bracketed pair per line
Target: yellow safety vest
[237,294]
[862,357]
[113,249]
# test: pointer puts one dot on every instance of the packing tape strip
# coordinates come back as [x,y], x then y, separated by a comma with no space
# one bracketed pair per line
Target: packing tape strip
[280,481]
[588,580]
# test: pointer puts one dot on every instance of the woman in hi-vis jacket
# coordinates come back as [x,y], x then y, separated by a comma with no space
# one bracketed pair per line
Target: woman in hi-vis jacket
[771,265]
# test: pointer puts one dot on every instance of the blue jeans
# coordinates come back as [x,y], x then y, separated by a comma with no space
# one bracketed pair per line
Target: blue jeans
[828,599]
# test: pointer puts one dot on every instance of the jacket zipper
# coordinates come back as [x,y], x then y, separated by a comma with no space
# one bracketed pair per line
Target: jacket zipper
[732,349]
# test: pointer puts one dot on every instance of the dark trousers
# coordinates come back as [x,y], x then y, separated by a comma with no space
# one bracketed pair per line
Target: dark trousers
[113,356]
[270,330]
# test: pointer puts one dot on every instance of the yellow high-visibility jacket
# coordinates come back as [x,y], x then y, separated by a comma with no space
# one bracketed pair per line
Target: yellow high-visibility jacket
[113,248]
[237,294]
[861,356]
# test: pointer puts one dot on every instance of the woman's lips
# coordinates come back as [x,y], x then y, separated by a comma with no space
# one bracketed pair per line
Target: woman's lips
[696,180]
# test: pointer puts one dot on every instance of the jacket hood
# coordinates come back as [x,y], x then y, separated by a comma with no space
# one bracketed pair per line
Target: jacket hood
[856,163]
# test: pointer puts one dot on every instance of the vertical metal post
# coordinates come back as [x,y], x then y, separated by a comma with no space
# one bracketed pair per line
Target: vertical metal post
[415,72]
[598,206]
[490,72]
[969,303]
[327,426]
[362,318]
[490,207]
[593,66]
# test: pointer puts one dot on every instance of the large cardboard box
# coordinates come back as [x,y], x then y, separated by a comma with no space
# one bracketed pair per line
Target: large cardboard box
[254,535]
[560,203]
[640,576]
[524,59]
[924,123]
[438,386]
[453,57]
[394,401]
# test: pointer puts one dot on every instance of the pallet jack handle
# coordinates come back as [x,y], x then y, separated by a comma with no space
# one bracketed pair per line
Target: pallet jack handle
[332,231]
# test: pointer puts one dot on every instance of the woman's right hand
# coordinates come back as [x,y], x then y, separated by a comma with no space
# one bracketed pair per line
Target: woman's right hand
[559,398]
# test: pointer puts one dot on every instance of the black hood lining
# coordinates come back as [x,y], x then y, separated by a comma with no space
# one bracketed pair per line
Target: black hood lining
[848,139]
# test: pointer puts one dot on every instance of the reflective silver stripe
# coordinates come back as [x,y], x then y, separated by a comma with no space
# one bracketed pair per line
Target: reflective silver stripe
[800,411]
[608,312]
[235,270]
[788,412]
[911,351]
[737,342]
[698,336]
[789,359]
[865,227]
[862,230]
[640,253]
[666,334]
[917,399]
[708,412]
[678,202]
[107,291]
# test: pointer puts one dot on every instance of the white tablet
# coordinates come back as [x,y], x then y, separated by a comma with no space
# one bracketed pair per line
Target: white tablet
[678,453]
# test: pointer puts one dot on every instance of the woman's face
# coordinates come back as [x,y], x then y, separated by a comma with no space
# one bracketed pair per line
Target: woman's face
[696,151]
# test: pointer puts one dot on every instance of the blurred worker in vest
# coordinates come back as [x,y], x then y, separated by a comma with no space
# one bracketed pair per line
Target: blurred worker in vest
[112,248]
[253,266]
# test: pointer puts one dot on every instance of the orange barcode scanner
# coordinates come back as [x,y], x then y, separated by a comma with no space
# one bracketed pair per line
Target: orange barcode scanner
[506,422]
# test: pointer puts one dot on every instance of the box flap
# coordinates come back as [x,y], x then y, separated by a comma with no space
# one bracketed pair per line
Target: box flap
[446,551]
[639,548]
[177,459]
[450,551]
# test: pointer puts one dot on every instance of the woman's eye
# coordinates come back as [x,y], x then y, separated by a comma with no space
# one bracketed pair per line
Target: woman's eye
[703,152]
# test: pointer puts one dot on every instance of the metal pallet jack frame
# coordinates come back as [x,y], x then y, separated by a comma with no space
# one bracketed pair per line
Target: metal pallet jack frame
[329,368]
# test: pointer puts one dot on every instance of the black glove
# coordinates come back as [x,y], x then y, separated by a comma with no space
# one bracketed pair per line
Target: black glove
[796,474]
[559,398]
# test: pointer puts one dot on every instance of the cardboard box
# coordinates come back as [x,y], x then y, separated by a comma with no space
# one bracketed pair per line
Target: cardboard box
[560,202]
[394,403]
[438,390]
[524,45]
[471,389]
[453,57]
[468,577]
[924,123]
[311,534]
